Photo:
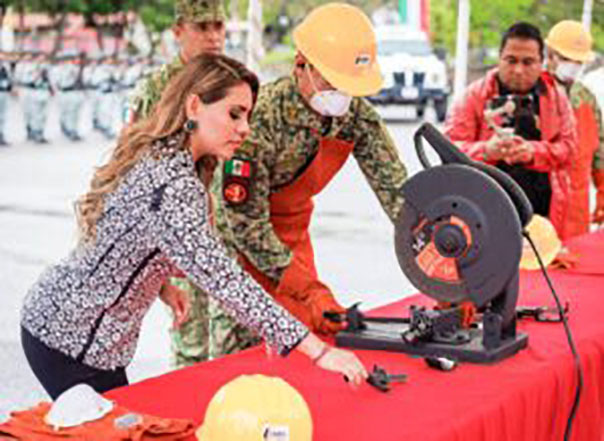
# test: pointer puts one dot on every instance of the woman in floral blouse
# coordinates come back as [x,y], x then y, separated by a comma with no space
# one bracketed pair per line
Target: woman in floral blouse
[146,216]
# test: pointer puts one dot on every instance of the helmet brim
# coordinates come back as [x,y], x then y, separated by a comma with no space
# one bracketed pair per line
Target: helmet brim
[579,56]
[368,84]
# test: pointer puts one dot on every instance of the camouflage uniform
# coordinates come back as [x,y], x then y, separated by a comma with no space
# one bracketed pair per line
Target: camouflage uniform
[199,11]
[190,341]
[580,94]
[148,92]
[36,96]
[588,163]
[283,141]
[6,85]
[93,75]
[68,80]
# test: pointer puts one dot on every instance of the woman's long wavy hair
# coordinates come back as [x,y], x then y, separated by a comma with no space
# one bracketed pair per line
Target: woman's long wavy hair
[208,76]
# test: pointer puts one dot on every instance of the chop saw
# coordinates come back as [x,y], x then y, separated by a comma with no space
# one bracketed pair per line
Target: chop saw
[458,239]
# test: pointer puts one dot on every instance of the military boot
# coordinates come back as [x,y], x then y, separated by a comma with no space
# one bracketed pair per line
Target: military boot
[38,138]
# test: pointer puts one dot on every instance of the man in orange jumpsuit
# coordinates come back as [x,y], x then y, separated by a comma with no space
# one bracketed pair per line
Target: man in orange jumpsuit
[568,49]
[304,127]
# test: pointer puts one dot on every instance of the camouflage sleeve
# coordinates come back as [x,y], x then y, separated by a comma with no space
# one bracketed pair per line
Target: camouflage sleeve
[379,161]
[248,220]
[146,94]
[598,163]
[580,94]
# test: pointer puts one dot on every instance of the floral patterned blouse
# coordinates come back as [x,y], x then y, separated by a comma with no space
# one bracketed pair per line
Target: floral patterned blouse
[155,224]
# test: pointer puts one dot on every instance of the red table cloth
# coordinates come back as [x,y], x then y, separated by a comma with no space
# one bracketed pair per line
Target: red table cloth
[523,398]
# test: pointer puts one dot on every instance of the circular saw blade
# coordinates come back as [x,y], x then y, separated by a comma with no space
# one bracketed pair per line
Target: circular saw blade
[426,267]
[475,230]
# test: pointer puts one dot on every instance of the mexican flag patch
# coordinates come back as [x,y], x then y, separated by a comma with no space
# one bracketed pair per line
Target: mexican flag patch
[238,167]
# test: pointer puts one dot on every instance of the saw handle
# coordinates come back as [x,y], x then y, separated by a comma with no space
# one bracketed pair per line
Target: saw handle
[450,154]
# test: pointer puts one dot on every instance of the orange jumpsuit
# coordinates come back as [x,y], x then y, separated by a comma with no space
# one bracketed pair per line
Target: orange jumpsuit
[586,163]
[299,290]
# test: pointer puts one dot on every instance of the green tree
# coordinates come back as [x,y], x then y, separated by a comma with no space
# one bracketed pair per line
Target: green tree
[94,12]
[490,19]
[157,15]
[295,11]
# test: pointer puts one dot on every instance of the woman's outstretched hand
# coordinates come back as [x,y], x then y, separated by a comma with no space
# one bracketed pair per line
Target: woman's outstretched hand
[334,359]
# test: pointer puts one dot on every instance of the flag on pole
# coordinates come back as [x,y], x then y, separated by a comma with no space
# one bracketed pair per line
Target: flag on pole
[402,10]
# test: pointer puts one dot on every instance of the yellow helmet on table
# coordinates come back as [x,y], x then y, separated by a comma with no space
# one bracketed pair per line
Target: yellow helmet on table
[339,41]
[256,408]
[546,241]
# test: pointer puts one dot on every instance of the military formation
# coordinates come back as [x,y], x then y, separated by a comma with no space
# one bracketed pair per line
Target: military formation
[73,80]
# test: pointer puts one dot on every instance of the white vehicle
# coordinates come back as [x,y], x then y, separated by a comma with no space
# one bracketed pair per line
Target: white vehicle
[413,74]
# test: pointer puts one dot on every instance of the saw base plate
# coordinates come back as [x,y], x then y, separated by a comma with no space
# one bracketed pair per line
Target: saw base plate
[384,335]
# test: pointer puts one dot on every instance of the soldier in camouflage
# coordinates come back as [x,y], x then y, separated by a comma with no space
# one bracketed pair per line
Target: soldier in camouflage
[199,28]
[580,97]
[37,90]
[6,86]
[67,77]
[303,129]
[569,48]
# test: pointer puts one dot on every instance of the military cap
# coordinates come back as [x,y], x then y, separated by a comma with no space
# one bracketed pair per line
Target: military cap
[198,11]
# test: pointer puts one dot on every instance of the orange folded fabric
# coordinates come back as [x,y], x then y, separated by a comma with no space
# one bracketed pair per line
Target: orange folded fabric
[29,425]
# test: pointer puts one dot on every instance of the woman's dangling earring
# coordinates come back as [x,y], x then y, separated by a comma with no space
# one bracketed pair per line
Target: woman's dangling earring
[190,125]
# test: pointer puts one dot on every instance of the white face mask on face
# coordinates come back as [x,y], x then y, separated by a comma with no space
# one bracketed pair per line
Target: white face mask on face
[567,71]
[329,102]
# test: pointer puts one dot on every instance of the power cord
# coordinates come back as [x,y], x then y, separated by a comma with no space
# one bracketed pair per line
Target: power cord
[569,336]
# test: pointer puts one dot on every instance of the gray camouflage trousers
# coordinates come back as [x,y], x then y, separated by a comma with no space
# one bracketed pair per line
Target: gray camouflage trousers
[70,103]
[4,98]
[35,109]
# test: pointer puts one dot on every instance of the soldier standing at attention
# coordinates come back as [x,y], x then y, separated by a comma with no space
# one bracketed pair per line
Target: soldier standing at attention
[132,73]
[70,85]
[38,90]
[109,103]
[92,77]
[24,76]
[6,86]
[199,27]
[303,129]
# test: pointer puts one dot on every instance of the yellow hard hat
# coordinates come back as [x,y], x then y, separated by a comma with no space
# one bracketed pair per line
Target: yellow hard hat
[546,241]
[338,39]
[571,40]
[254,408]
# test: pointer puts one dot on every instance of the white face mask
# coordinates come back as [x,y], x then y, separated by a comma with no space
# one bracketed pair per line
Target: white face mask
[329,102]
[567,71]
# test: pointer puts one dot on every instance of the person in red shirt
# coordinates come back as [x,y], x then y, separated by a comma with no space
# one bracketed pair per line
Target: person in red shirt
[517,119]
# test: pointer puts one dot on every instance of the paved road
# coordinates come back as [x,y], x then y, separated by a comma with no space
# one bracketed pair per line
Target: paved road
[38,185]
